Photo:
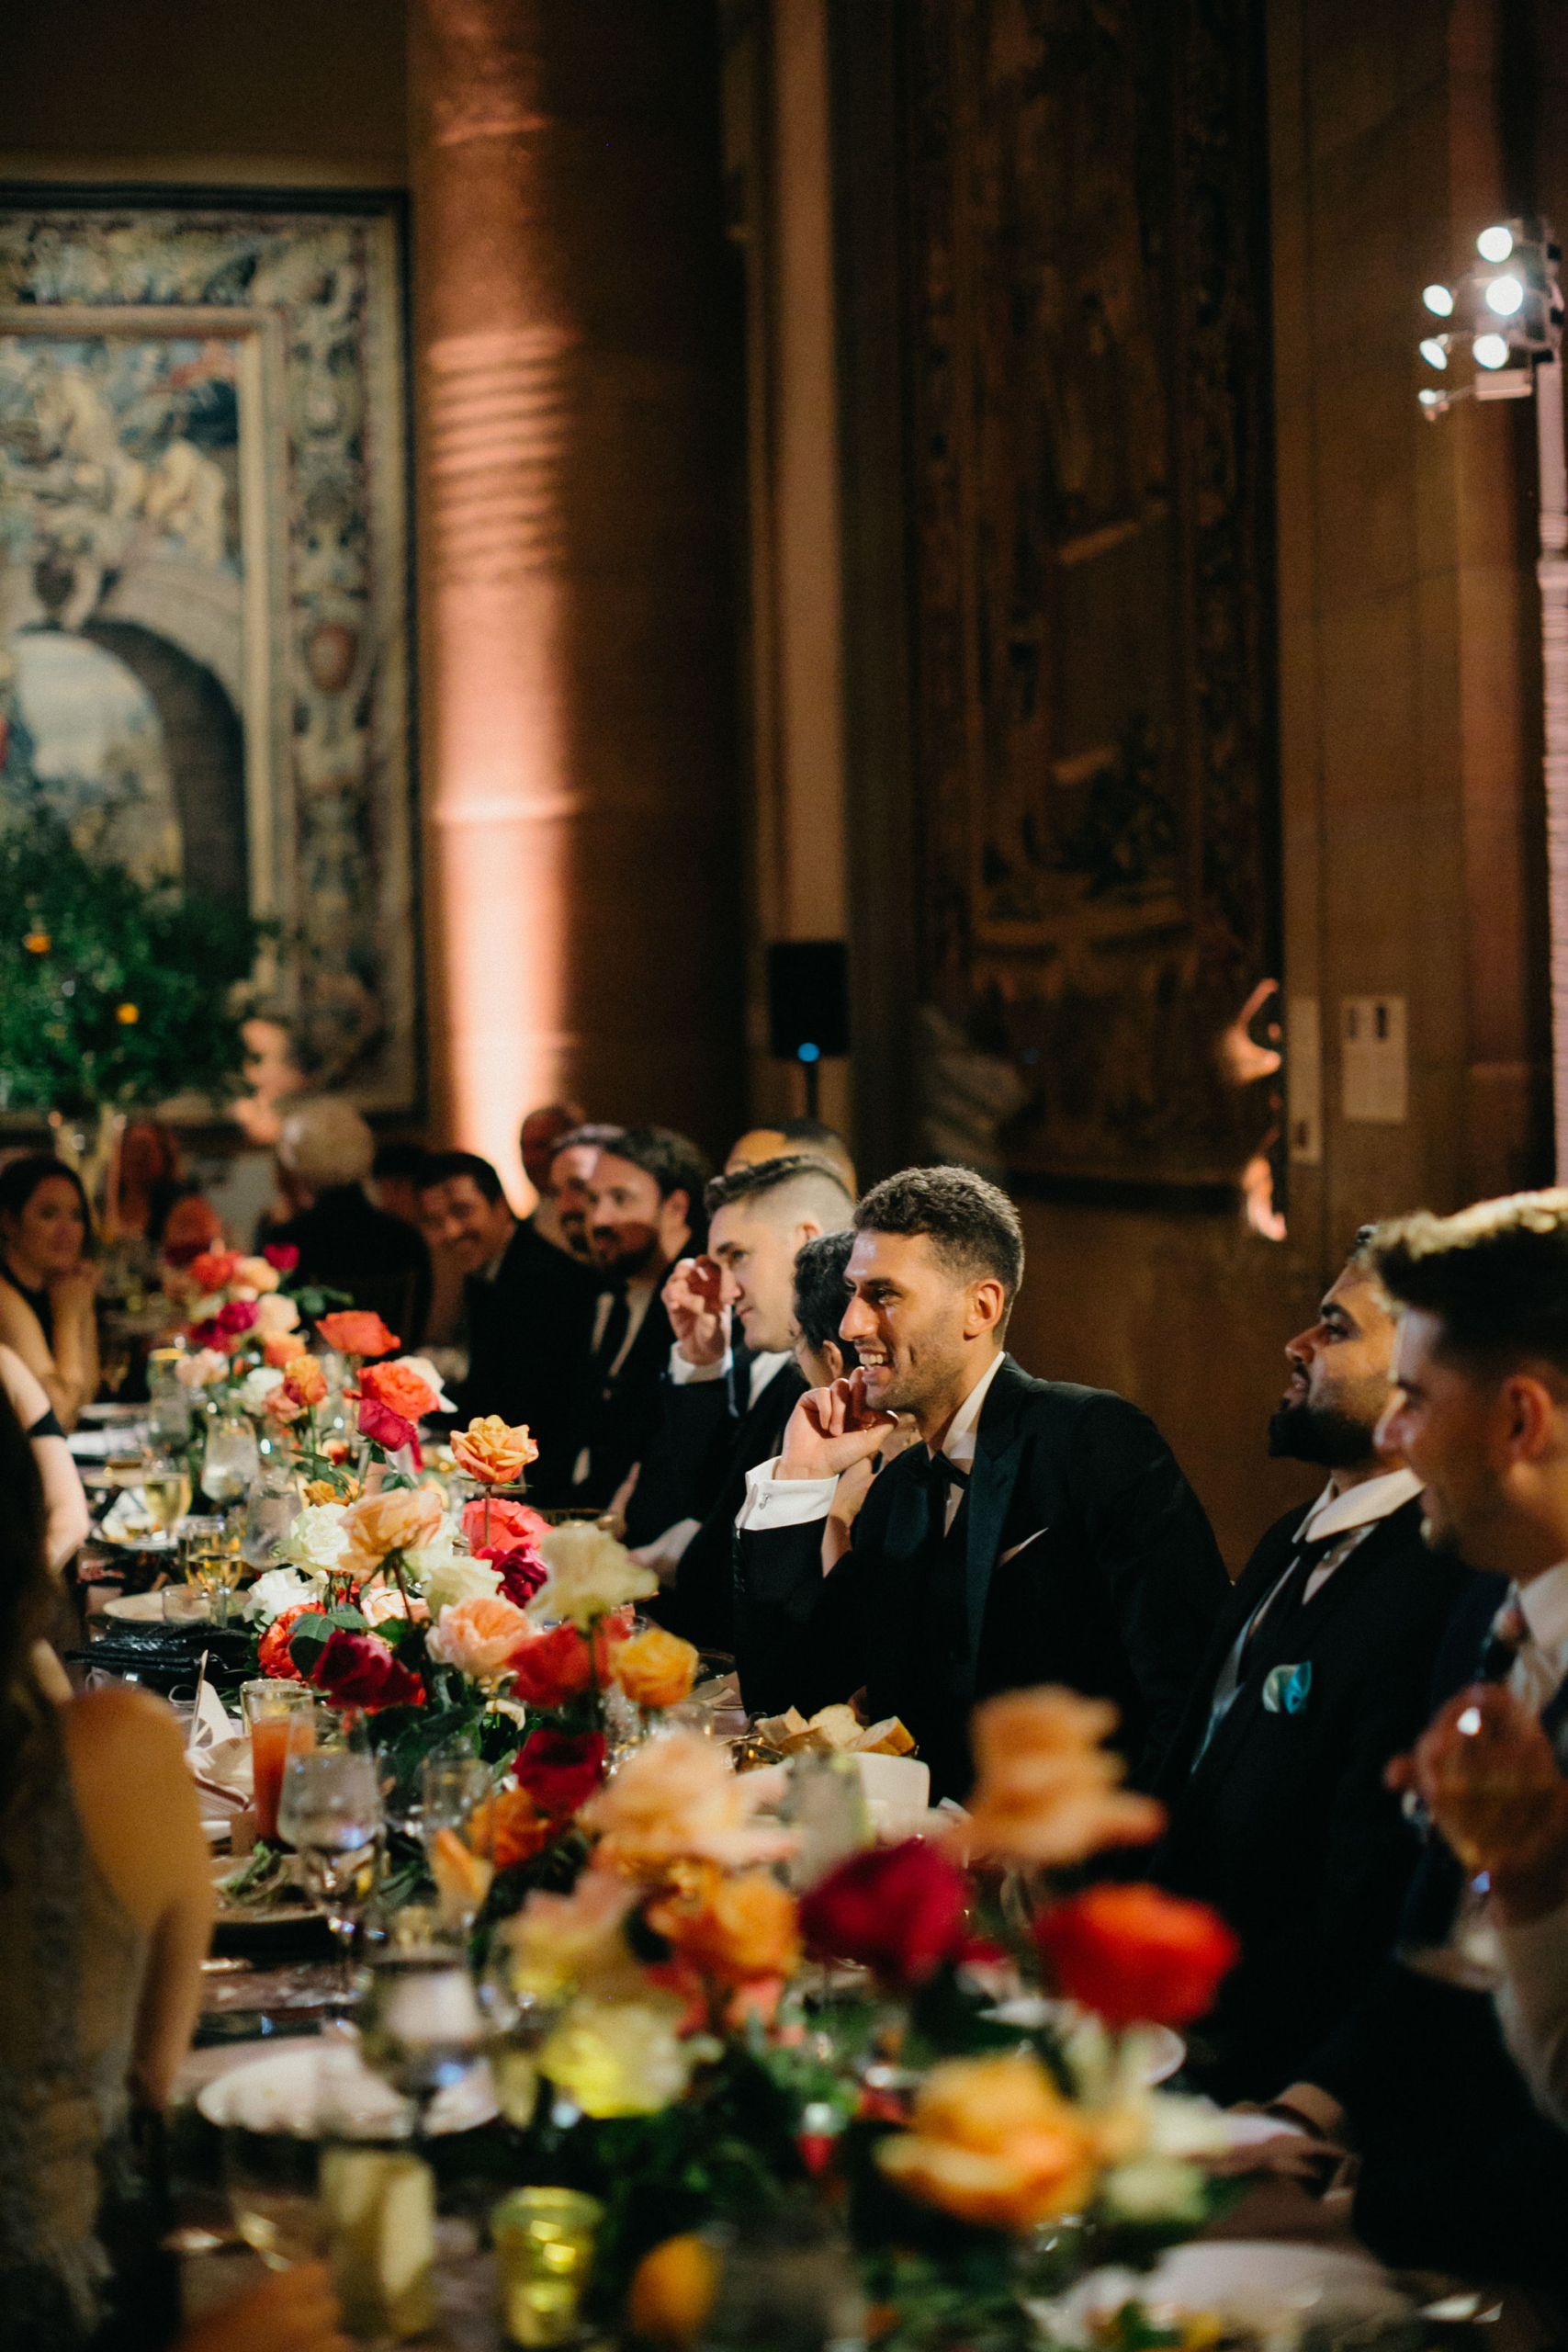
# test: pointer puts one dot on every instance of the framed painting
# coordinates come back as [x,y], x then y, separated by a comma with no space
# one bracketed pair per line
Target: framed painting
[204,578]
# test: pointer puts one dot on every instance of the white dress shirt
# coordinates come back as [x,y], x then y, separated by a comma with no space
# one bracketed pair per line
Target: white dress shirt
[773,1501]
[686,1374]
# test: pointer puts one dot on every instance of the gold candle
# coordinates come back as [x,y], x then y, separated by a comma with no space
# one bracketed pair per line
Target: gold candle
[544,2256]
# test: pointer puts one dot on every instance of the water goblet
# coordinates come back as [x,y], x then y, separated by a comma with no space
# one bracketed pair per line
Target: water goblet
[421,2027]
[229,1461]
[271,1509]
[330,1811]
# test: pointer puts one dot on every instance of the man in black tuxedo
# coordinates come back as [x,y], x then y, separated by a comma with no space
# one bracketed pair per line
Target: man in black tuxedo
[1318,1673]
[527,1305]
[1458,2171]
[1042,1532]
[645,1207]
[727,1405]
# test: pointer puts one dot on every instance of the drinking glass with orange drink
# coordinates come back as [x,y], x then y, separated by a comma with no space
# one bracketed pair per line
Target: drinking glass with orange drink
[272,1709]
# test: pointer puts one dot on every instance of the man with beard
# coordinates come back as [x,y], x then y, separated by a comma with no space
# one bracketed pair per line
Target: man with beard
[1042,1533]
[1317,1675]
[567,1180]
[644,1210]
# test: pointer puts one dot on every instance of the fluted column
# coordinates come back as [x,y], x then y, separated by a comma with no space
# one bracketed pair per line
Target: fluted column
[575,564]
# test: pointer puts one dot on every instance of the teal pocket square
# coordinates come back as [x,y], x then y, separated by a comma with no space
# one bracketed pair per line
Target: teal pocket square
[1285,1689]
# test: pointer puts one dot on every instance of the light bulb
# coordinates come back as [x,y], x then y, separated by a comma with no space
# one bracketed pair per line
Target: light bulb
[1433,353]
[1430,398]
[1490,351]
[1505,296]
[1494,244]
[1438,300]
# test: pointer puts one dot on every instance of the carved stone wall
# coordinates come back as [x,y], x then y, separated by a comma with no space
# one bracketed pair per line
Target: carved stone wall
[1092,610]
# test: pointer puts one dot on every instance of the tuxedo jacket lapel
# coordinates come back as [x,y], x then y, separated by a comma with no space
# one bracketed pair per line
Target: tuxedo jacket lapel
[998,1449]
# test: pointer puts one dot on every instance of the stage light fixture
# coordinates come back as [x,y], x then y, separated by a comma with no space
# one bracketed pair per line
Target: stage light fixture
[1494,244]
[1433,352]
[1439,300]
[1490,350]
[1504,296]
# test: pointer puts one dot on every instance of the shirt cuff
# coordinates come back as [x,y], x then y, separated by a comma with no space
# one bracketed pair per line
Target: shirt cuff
[686,1374]
[773,1501]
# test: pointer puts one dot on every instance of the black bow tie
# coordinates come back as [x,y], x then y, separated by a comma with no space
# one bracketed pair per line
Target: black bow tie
[944,1473]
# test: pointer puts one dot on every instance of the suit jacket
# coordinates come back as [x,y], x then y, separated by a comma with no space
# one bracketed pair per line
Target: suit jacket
[699,1603]
[1459,2171]
[1087,1561]
[1284,1825]
[528,1332]
[346,1243]
[621,1415]
[685,1466]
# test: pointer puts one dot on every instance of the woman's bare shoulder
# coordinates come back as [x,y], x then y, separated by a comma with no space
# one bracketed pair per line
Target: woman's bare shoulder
[116,1719]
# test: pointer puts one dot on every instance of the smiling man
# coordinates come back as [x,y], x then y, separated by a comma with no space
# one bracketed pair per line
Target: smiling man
[1040,1532]
[1316,1676]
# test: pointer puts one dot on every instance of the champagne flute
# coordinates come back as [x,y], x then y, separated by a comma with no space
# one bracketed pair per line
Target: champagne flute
[330,1811]
[165,1489]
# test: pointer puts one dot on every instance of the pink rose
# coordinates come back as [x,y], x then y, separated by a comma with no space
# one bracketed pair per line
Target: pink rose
[480,1636]
[237,1315]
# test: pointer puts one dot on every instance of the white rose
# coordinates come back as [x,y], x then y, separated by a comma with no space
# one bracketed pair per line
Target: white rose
[202,1369]
[316,1542]
[278,1590]
[456,1579]
[589,1574]
[275,1314]
[257,1387]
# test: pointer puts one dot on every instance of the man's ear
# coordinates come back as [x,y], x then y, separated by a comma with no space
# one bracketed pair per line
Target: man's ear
[833,1356]
[1531,1415]
[987,1305]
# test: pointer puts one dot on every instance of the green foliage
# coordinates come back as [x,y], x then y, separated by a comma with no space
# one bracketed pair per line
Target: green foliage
[112,990]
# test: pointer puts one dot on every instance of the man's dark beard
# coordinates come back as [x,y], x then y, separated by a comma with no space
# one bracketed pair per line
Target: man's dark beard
[630,1261]
[1315,1434]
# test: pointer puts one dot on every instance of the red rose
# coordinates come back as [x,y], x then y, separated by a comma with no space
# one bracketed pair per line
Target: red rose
[359,1668]
[237,1315]
[272,1651]
[1137,1955]
[508,1526]
[283,1255]
[523,1574]
[900,1910]
[385,1427]
[553,1667]
[209,1334]
[212,1268]
[560,1770]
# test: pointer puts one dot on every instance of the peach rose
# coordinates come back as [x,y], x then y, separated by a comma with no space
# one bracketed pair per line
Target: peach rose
[397,1521]
[994,2142]
[516,1830]
[275,1313]
[1045,1789]
[478,1636]
[282,1347]
[305,1381]
[491,1451]
[655,1668]
[257,1276]
[733,1928]
[355,1331]
[677,1799]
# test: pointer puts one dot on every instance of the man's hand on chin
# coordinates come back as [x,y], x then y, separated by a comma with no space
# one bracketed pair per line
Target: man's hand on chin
[832,1429]
[693,1300]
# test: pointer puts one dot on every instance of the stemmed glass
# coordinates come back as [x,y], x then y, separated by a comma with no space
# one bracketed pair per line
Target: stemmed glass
[273,1506]
[165,1488]
[421,2025]
[329,1812]
[456,1827]
[231,1460]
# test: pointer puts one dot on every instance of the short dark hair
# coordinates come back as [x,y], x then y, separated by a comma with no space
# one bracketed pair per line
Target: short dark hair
[1495,1275]
[674,1161]
[19,1179]
[762,1176]
[400,1159]
[972,1224]
[598,1134]
[442,1166]
[821,1294]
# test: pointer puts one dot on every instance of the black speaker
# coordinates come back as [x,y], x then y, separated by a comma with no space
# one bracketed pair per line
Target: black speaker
[809,999]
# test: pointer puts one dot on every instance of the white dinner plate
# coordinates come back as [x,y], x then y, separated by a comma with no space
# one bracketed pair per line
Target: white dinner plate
[141,1607]
[1164,2045]
[279,2093]
[1259,2288]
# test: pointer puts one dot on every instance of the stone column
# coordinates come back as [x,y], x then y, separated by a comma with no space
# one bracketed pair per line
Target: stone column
[572,328]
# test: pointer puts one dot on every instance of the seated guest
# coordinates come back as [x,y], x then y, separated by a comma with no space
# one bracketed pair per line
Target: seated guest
[541,1136]
[726,1406]
[1459,2171]
[800,1136]
[824,1355]
[65,1504]
[644,1208]
[526,1308]
[570,1172]
[1318,1673]
[145,1182]
[1042,1532]
[325,1152]
[47,1281]
[395,1177]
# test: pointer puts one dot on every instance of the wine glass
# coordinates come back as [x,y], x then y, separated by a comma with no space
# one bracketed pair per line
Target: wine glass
[231,1460]
[456,1825]
[165,1489]
[420,2024]
[271,1509]
[329,1812]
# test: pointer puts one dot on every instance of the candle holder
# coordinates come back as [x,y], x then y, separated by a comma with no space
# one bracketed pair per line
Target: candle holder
[544,2259]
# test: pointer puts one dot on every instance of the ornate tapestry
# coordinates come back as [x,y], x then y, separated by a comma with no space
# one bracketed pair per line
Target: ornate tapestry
[203,579]
[1092,566]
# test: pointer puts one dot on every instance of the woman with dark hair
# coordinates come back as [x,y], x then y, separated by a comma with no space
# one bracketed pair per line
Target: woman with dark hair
[46,1281]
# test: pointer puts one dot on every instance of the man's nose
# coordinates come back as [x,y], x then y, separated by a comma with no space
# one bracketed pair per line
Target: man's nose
[1300,1351]
[729,1288]
[858,1321]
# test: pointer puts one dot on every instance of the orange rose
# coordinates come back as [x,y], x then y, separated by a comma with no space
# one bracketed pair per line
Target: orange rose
[655,1668]
[282,1347]
[399,1389]
[1045,1788]
[492,1451]
[214,1269]
[517,1828]
[397,1521]
[305,1381]
[356,1332]
[993,2140]
[733,1928]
